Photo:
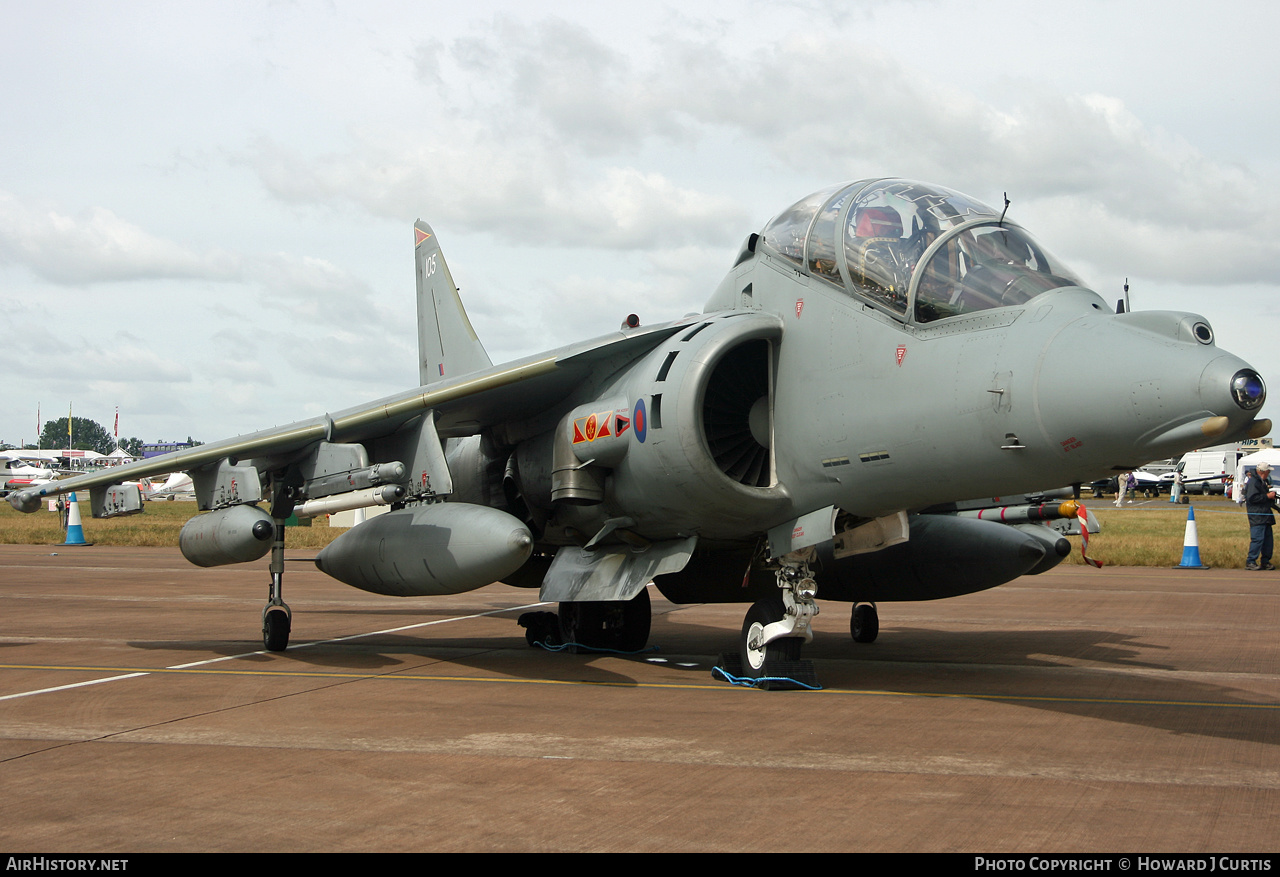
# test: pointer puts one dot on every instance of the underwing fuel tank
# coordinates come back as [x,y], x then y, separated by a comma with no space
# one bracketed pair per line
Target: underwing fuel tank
[945,557]
[234,535]
[442,548]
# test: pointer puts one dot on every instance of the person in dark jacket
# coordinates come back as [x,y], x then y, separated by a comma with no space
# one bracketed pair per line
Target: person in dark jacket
[1258,498]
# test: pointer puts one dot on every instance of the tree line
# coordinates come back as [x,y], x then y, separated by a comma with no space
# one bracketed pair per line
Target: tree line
[87,435]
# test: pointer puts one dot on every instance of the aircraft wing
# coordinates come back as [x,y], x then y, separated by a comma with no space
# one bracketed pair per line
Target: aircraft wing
[463,405]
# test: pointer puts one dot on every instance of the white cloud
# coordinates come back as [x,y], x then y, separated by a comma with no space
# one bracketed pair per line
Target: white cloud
[316,290]
[835,109]
[522,191]
[1188,252]
[97,246]
[113,354]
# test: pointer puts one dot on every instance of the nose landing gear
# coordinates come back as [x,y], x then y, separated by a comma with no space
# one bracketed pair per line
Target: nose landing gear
[776,628]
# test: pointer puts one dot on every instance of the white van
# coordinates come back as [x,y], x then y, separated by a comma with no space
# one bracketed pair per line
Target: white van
[1214,464]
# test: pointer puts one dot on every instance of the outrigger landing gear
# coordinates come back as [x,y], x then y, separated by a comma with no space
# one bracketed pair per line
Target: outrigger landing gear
[276,621]
[775,629]
[864,623]
[276,617]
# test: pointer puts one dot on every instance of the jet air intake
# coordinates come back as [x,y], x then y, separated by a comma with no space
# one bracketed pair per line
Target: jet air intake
[735,414]
[692,433]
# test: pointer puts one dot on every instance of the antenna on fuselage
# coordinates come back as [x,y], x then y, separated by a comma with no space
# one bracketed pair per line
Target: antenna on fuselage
[1006,209]
[1122,306]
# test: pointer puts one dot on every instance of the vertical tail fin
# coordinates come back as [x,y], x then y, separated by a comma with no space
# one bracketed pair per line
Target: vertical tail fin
[447,344]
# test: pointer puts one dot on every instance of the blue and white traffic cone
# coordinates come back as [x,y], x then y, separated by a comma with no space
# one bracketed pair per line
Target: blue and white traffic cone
[75,532]
[1191,544]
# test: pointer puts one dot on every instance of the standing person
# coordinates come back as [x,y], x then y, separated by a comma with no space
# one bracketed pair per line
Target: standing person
[1176,493]
[1258,497]
[1124,484]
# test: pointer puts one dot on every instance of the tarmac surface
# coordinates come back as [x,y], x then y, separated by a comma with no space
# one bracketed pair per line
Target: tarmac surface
[1121,710]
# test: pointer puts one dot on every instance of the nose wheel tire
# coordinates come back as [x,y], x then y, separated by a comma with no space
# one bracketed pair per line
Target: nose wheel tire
[768,659]
[864,623]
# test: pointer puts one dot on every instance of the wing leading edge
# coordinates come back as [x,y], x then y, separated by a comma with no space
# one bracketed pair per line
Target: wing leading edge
[463,406]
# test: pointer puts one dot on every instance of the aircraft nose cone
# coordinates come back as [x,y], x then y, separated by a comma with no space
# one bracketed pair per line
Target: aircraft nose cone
[1248,389]
[1228,386]
[1163,395]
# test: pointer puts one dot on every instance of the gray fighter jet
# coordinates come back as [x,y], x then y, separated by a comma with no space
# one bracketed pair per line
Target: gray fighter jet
[880,353]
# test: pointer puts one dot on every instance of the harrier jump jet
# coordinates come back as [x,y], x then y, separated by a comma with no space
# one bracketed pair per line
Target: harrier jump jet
[879,353]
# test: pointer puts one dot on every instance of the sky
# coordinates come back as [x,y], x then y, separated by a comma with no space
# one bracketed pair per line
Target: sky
[206,208]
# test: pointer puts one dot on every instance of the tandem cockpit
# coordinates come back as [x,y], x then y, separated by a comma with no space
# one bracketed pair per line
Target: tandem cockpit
[918,251]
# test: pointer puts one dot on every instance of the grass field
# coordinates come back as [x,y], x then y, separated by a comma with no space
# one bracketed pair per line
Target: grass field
[157,526]
[1144,533]
[1150,533]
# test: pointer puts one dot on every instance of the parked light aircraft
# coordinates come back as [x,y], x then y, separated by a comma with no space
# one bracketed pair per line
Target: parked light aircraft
[177,484]
[16,471]
[881,352]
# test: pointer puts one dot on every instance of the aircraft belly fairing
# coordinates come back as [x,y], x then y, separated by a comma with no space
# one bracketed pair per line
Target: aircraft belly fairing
[882,351]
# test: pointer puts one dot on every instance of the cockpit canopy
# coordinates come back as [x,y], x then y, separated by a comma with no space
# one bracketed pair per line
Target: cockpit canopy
[908,247]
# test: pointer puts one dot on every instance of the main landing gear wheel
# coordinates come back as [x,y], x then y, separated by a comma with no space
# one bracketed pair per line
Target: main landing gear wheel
[613,625]
[276,622]
[768,659]
[540,628]
[864,623]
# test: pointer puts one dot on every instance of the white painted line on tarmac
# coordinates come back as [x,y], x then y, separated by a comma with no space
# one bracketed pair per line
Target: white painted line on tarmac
[73,685]
[321,642]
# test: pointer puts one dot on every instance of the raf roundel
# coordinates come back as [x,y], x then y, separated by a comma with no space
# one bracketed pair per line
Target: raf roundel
[639,423]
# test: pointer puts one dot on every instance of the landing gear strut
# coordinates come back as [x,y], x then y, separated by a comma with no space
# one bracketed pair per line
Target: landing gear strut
[607,625]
